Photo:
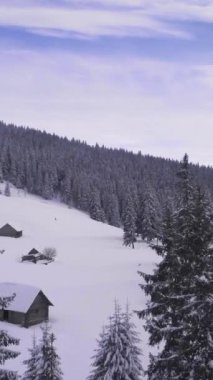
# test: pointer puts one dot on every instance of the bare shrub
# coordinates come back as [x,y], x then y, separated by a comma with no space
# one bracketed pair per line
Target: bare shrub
[49,253]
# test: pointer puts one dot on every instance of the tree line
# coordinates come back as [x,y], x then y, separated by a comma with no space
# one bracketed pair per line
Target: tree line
[102,182]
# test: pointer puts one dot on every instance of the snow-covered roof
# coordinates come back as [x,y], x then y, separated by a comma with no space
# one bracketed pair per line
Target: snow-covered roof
[7,225]
[25,295]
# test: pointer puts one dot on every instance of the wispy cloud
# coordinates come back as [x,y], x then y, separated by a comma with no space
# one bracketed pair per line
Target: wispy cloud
[141,104]
[157,99]
[89,21]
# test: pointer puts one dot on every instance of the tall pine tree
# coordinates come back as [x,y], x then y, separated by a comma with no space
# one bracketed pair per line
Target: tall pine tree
[33,363]
[179,311]
[129,237]
[117,356]
[44,362]
[7,340]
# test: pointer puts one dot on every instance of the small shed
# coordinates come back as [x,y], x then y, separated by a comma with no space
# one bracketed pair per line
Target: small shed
[33,256]
[29,307]
[8,230]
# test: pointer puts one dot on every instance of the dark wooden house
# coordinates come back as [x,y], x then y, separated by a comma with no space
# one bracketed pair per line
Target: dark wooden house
[33,256]
[9,231]
[29,307]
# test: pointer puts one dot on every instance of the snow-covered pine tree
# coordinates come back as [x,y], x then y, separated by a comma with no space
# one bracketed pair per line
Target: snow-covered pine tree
[129,236]
[95,209]
[148,215]
[117,356]
[1,174]
[50,366]
[5,341]
[7,189]
[133,352]
[178,312]
[34,363]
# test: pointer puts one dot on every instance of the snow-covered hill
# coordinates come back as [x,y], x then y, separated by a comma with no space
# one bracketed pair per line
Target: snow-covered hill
[91,270]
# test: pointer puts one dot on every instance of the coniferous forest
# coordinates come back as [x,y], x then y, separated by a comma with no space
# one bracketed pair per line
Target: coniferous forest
[108,184]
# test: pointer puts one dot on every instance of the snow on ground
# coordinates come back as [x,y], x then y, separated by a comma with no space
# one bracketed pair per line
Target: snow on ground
[91,270]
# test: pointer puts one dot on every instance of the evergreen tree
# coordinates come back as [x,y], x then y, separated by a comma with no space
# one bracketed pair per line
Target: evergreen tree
[44,363]
[95,209]
[5,341]
[51,362]
[34,363]
[180,307]
[47,192]
[129,237]
[7,189]
[1,174]
[117,356]
[148,215]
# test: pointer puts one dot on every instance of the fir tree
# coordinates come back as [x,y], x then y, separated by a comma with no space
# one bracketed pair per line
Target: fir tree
[148,215]
[95,209]
[34,363]
[5,341]
[117,356]
[7,189]
[180,307]
[129,237]
[44,362]
[51,361]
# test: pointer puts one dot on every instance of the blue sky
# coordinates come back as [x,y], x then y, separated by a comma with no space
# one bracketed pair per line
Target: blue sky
[131,74]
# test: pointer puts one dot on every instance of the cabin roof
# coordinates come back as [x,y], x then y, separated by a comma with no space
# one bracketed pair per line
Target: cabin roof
[25,295]
[8,226]
[33,251]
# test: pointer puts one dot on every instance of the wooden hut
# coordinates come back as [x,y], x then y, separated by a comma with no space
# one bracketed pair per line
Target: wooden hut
[9,231]
[33,256]
[29,307]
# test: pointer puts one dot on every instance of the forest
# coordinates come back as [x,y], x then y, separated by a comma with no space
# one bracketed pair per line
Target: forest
[99,181]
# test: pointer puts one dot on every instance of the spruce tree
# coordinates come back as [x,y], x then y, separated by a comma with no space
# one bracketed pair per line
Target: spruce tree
[179,311]
[95,209]
[129,237]
[117,356]
[50,361]
[5,341]
[7,189]
[34,362]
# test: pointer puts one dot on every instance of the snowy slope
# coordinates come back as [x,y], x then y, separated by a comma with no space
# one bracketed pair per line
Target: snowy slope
[91,270]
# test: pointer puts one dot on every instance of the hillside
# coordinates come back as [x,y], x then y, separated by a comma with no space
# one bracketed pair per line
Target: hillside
[96,180]
[91,270]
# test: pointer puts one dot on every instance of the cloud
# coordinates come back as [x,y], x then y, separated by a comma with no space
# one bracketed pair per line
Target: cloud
[94,18]
[141,104]
[89,21]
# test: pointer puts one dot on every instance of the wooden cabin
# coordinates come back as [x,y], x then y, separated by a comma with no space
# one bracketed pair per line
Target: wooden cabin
[9,231]
[33,256]
[29,307]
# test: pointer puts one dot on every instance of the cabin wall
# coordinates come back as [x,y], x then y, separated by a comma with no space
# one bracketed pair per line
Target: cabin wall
[35,316]
[13,317]
[16,318]
[38,311]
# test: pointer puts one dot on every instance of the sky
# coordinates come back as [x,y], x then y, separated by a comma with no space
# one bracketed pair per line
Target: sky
[132,74]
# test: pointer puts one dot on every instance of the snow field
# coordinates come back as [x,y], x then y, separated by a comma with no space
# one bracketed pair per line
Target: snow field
[91,270]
